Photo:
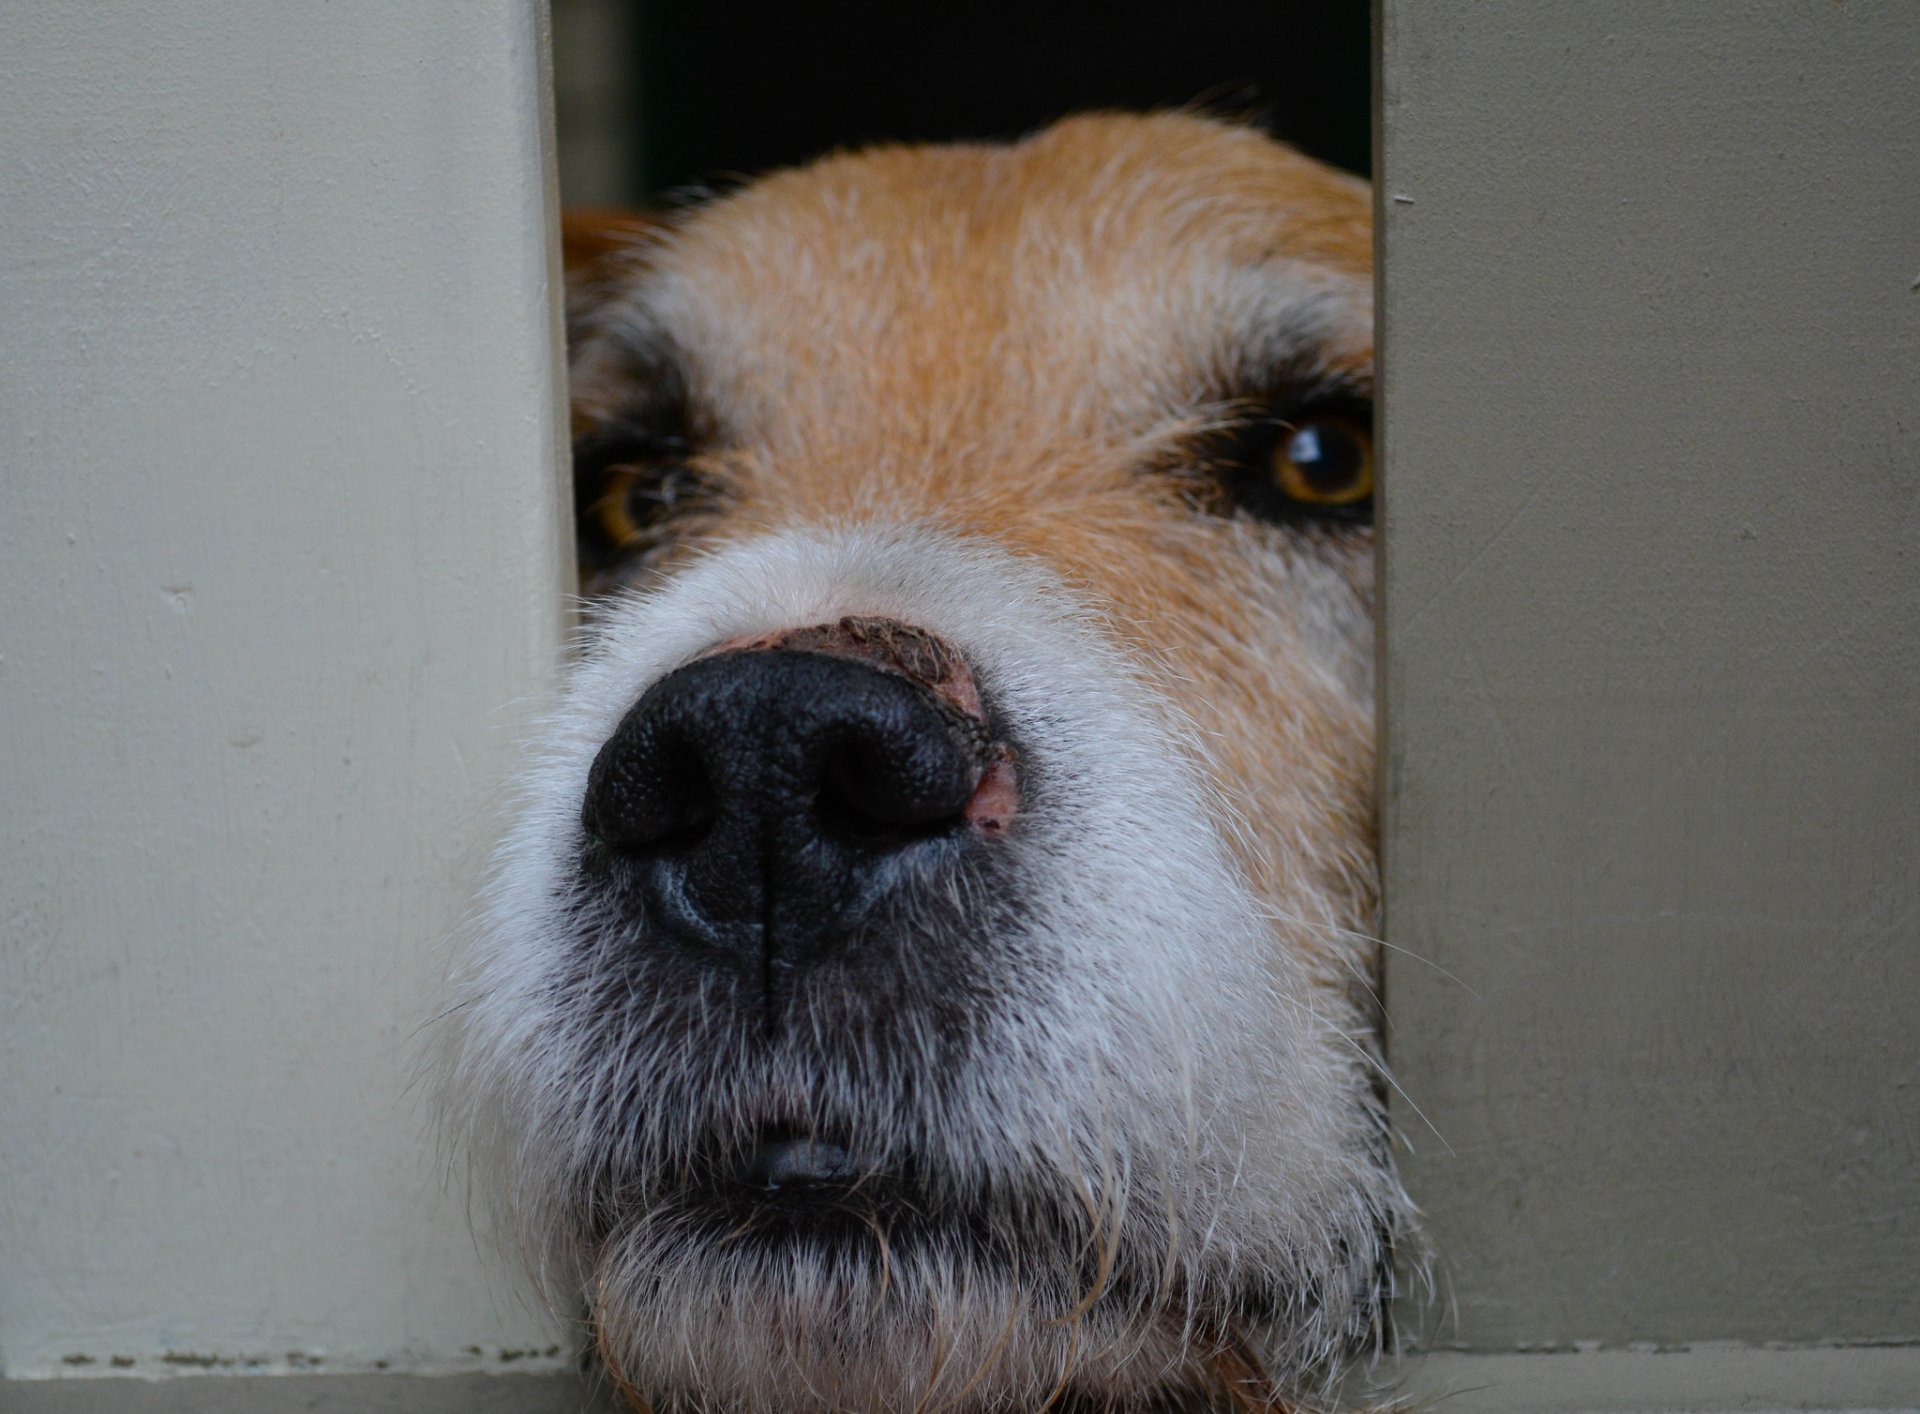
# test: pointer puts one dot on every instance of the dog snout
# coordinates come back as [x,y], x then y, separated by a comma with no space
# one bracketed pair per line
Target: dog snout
[766,798]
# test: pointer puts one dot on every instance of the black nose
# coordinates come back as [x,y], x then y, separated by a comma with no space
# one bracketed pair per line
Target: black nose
[765,800]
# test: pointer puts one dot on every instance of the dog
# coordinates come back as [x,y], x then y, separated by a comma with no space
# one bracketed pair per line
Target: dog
[931,966]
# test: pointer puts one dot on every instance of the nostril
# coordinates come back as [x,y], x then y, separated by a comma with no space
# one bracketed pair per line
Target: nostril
[651,791]
[882,790]
[691,817]
[852,806]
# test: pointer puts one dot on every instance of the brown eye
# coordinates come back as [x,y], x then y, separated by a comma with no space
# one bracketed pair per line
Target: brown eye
[630,492]
[1325,460]
[617,519]
[637,503]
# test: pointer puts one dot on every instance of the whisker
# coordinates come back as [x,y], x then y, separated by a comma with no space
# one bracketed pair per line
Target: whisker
[1279,915]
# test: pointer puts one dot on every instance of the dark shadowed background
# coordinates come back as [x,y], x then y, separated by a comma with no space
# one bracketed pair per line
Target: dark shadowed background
[658,95]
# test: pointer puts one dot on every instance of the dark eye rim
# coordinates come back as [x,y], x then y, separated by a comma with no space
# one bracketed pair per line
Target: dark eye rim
[1242,462]
[654,463]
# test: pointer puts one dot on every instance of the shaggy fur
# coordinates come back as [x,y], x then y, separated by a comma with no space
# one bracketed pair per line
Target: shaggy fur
[1115,1083]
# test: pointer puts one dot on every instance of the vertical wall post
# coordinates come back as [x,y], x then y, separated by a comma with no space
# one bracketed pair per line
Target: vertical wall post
[1651,789]
[283,557]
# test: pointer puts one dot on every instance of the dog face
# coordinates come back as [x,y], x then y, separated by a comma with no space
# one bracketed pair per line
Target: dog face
[930,966]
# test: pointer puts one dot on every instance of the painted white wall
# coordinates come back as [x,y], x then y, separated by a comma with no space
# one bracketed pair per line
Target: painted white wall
[281,548]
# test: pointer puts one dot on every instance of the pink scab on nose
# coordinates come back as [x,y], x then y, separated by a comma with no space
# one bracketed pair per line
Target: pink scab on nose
[990,809]
[887,644]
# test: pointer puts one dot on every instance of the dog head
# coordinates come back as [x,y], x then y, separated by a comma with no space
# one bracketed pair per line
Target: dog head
[931,964]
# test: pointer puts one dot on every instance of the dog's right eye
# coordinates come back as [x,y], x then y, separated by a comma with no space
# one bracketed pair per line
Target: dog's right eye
[626,490]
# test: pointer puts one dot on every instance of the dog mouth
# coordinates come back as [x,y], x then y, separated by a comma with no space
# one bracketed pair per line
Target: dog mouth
[784,1164]
[792,1199]
[790,1191]
[789,1187]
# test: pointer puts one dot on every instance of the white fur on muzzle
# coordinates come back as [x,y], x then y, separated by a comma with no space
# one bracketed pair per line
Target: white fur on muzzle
[1135,1127]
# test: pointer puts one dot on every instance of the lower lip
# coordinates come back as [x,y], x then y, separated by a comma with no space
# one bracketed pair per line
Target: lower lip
[786,1164]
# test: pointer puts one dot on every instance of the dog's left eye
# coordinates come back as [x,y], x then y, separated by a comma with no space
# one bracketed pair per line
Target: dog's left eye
[1313,465]
[1324,461]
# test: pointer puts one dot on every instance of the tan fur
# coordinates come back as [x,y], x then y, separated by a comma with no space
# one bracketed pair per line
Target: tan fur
[1009,383]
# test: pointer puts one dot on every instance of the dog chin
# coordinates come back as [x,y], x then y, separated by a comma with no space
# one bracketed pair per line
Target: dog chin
[1098,1131]
[807,1329]
[878,1294]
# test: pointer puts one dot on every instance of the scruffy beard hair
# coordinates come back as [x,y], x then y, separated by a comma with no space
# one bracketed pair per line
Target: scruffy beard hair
[1114,1141]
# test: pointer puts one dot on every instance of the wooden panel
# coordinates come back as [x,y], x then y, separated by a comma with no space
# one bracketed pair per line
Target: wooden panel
[1651,790]
[282,554]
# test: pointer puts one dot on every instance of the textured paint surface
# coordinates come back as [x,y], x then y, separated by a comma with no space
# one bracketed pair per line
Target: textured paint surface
[1652,787]
[281,556]
[315,1394]
[1701,1379]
